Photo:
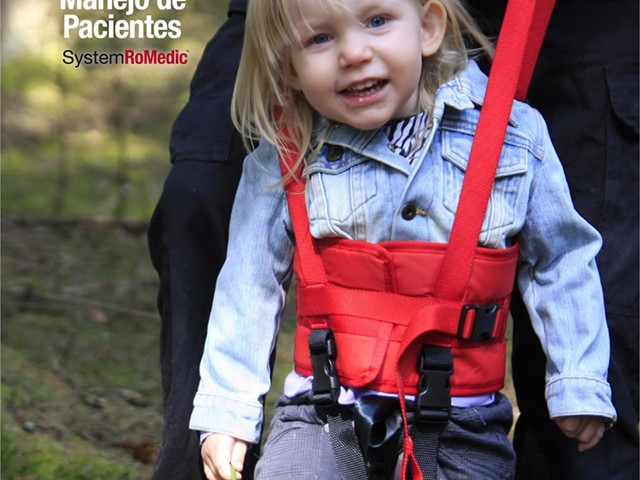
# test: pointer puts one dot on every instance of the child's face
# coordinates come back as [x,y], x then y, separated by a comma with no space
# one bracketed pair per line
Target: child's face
[360,63]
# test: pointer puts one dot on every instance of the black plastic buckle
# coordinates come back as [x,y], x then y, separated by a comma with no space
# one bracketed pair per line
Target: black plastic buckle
[325,387]
[433,401]
[483,323]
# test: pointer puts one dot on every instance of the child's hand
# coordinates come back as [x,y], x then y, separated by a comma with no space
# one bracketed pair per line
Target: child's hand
[219,452]
[587,429]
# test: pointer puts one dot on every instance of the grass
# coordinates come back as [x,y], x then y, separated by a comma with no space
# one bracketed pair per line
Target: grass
[45,458]
[45,429]
[80,338]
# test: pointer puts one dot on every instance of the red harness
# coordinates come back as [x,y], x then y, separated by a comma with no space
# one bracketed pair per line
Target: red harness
[375,293]
[366,311]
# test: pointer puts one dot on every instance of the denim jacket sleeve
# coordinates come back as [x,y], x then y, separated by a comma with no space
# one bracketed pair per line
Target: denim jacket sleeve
[245,315]
[560,285]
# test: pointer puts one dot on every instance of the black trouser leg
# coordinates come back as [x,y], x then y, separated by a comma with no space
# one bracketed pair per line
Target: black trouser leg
[187,242]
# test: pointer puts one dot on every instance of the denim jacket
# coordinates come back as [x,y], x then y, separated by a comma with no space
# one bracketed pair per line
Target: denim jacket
[358,188]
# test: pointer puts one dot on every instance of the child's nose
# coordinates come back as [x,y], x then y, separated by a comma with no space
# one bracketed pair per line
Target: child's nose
[354,50]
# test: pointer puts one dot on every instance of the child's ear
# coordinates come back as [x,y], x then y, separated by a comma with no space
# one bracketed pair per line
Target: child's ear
[434,26]
[292,79]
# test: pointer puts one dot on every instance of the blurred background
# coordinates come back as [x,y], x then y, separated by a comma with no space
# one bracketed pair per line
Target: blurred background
[84,154]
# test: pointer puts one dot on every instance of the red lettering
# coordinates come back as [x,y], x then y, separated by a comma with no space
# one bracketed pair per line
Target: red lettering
[154,57]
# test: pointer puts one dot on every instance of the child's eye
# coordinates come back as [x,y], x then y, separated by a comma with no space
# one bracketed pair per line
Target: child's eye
[320,38]
[376,22]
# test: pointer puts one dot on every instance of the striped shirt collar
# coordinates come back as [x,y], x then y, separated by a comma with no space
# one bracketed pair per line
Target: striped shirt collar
[408,135]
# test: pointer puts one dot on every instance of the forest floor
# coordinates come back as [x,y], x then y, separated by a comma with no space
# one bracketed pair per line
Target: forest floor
[81,395]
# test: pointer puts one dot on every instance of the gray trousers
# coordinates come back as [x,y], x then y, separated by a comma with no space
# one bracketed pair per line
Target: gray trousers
[473,446]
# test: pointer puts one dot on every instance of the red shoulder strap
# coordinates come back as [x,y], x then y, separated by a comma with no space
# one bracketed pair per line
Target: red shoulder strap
[309,267]
[518,45]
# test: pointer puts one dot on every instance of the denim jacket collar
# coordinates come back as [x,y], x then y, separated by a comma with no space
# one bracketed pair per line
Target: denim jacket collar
[462,92]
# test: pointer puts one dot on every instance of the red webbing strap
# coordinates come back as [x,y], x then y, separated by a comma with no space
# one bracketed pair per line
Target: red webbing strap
[310,269]
[516,52]
[517,49]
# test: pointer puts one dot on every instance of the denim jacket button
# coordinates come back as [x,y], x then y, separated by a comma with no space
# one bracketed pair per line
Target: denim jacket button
[409,211]
[334,154]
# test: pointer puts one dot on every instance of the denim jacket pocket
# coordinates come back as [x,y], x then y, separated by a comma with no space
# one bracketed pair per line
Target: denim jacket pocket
[340,185]
[512,168]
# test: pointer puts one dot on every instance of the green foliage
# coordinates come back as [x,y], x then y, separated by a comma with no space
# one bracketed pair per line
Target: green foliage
[46,459]
[79,334]
[36,444]
[87,187]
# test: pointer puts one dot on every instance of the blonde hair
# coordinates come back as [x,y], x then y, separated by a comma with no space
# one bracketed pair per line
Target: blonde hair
[261,87]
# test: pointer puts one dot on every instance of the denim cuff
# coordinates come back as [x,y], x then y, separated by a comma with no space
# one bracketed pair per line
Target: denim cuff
[579,395]
[221,414]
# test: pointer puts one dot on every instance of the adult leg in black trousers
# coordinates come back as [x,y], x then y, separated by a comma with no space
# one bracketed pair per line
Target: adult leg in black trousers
[188,239]
[586,86]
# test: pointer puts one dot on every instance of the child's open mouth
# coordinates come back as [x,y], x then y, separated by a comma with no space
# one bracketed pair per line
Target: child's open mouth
[365,89]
